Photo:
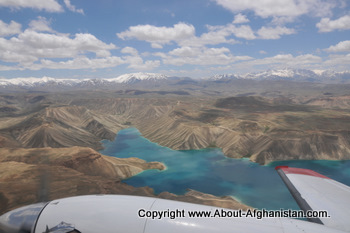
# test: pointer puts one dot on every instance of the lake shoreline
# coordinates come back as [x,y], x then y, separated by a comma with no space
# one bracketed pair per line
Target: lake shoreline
[210,171]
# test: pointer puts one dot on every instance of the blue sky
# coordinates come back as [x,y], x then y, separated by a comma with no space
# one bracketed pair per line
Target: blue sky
[196,38]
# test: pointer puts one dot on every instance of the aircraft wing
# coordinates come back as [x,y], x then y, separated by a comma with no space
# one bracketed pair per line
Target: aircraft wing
[313,191]
[121,213]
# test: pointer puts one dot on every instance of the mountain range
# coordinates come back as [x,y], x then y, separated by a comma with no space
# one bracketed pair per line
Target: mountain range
[49,81]
[294,75]
[58,124]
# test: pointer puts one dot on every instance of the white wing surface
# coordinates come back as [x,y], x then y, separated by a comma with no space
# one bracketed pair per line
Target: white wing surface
[313,191]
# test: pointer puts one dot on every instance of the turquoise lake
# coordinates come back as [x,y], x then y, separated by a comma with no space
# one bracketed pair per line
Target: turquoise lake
[209,171]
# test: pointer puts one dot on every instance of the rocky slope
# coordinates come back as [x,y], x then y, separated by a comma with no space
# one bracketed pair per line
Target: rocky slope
[250,127]
[81,159]
[25,174]
[54,84]
[70,171]
[262,129]
[245,126]
[342,102]
[194,196]
[61,127]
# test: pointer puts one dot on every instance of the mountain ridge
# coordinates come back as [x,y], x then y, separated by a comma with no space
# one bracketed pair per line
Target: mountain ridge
[296,75]
[301,75]
[123,79]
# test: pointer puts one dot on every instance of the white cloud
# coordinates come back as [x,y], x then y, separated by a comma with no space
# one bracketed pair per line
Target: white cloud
[274,33]
[73,8]
[41,24]
[12,51]
[249,64]
[240,18]
[306,61]
[31,46]
[328,25]
[78,63]
[52,45]
[219,34]
[193,49]
[187,52]
[136,62]
[130,50]
[184,34]
[156,45]
[40,47]
[280,8]
[343,46]
[216,35]
[200,56]
[243,31]
[295,61]
[339,60]
[282,20]
[263,8]
[46,5]
[158,36]
[9,29]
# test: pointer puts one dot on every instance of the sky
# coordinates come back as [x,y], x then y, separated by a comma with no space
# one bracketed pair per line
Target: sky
[193,38]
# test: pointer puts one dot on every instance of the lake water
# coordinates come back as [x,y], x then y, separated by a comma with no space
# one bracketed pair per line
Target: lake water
[209,171]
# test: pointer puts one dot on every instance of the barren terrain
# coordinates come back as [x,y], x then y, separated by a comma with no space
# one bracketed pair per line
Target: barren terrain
[51,138]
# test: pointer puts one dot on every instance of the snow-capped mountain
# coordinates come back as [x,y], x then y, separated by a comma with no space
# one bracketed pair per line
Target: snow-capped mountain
[137,77]
[222,77]
[32,81]
[298,75]
[148,80]
[51,82]
[281,74]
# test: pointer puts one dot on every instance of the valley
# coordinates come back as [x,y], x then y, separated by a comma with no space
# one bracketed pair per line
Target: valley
[61,131]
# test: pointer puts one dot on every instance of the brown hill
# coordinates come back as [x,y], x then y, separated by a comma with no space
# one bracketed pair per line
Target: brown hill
[342,102]
[71,171]
[62,127]
[78,171]
[245,126]
[194,196]
[262,129]
[272,132]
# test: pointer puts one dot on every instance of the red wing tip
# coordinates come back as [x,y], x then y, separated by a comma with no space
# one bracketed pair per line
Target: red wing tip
[281,167]
[301,171]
